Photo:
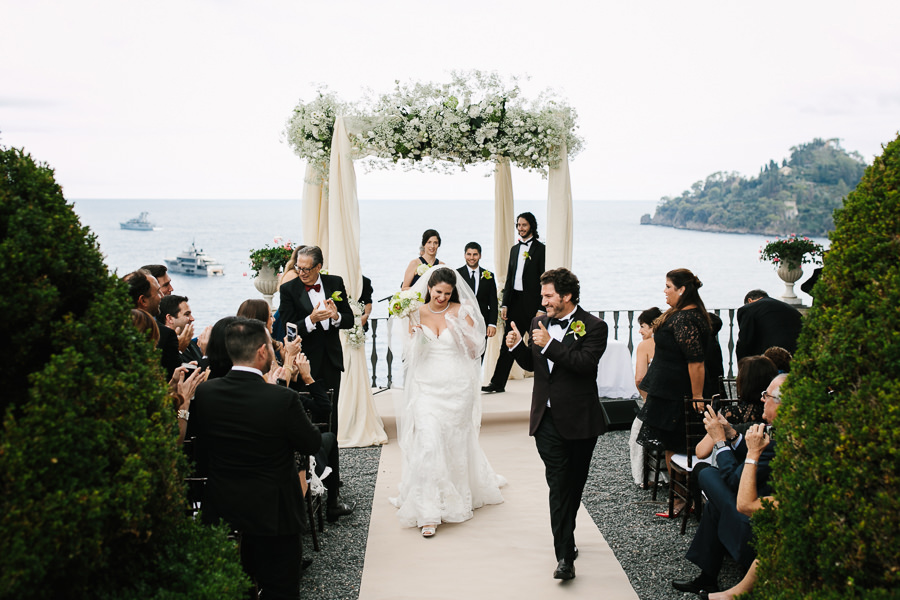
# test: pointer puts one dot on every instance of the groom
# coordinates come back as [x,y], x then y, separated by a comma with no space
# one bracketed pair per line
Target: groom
[563,351]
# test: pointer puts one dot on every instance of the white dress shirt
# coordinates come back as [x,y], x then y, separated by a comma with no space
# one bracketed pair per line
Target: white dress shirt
[557,333]
[520,265]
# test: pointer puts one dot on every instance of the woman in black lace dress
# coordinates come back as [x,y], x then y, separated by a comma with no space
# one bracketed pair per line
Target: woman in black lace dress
[681,335]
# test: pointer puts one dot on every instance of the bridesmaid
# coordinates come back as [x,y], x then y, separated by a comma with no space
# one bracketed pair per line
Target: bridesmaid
[431,241]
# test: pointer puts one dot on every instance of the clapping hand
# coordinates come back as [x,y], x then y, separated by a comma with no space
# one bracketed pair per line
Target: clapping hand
[321,312]
[203,340]
[185,335]
[303,368]
[513,337]
[540,336]
[329,304]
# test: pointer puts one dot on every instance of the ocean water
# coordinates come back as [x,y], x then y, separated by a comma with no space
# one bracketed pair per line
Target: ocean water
[620,263]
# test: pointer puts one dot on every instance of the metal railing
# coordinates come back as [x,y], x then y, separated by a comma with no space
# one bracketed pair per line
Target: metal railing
[622,326]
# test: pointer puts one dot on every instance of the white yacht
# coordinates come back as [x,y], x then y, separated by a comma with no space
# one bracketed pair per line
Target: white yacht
[141,223]
[194,262]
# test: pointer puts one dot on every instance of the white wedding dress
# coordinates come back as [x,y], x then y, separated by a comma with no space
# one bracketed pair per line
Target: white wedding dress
[445,472]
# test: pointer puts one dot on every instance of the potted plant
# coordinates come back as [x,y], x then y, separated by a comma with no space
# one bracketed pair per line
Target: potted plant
[788,255]
[266,263]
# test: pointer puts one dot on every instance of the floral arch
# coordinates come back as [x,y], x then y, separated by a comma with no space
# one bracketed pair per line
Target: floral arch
[475,118]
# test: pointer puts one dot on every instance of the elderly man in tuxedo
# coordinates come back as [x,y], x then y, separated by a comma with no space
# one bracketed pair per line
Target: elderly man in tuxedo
[522,292]
[247,431]
[483,285]
[318,305]
[563,351]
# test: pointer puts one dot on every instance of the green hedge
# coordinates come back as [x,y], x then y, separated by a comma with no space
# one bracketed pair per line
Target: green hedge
[836,531]
[91,475]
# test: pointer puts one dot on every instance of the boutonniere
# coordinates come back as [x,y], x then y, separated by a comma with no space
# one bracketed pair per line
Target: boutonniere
[336,296]
[323,271]
[577,329]
[486,275]
[526,255]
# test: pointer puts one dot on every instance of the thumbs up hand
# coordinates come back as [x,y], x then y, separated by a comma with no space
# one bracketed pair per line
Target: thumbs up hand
[541,336]
[513,337]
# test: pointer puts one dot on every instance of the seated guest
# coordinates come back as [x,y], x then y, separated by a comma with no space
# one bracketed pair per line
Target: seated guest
[722,527]
[781,357]
[755,373]
[247,433]
[217,359]
[260,310]
[146,324]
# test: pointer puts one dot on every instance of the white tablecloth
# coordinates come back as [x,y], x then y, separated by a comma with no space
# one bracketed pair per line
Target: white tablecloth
[615,375]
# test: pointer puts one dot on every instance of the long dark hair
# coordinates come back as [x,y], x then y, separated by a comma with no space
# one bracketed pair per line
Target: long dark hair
[755,373]
[254,308]
[430,233]
[444,275]
[691,295]
[531,221]
[219,361]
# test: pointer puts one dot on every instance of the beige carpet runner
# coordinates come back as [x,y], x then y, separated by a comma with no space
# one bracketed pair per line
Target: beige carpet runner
[506,550]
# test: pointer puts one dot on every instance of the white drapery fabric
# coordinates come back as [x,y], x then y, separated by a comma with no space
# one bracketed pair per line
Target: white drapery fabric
[359,422]
[504,236]
[559,214]
[314,211]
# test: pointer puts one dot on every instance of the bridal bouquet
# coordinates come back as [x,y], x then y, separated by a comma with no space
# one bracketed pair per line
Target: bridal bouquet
[356,335]
[405,303]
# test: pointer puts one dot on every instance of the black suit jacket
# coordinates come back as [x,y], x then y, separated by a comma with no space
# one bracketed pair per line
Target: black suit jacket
[531,277]
[487,293]
[322,348]
[247,431]
[572,385]
[168,343]
[765,323]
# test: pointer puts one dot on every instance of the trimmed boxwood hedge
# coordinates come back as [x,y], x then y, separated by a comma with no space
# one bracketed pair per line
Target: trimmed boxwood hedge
[836,530]
[92,502]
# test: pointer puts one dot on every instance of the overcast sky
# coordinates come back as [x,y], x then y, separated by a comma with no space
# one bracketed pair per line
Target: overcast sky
[189,98]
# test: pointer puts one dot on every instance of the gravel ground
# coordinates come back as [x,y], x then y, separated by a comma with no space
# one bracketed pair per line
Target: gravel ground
[650,549]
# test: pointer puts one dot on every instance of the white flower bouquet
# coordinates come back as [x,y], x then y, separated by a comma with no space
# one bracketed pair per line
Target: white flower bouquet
[405,303]
[356,335]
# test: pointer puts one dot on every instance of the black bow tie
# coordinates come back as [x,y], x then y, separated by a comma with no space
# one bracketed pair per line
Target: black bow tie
[524,242]
[564,323]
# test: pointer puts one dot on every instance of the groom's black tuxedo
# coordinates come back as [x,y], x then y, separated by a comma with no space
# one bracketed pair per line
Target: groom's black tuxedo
[565,432]
[322,347]
[521,306]
[486,294]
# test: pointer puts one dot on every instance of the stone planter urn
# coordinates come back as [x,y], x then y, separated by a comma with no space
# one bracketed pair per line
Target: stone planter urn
[789,277]
[266,282]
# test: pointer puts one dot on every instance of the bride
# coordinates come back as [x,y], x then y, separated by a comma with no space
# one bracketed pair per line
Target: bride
[445,473]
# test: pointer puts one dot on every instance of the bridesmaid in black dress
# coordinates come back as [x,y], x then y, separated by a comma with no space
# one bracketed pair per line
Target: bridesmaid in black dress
[431,241]
[681,335]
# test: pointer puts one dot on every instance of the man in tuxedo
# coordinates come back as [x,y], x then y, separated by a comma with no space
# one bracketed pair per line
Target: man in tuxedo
[522,292]
[765,322]
[146,293]
[723,528]
[247,431]
[564,350]
[483,285]
[175,314]
[317,304]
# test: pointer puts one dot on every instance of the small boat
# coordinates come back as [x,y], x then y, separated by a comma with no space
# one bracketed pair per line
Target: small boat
[141,223]
[194,262]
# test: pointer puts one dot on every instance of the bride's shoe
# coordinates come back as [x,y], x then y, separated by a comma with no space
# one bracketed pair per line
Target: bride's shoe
[429,530]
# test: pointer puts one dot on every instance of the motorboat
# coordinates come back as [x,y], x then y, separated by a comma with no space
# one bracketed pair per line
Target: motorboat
[141,223]
[194,262]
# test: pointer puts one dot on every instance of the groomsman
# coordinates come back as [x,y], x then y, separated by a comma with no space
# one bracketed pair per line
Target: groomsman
[317,305]
[522,292]
[563,351]
[483,285]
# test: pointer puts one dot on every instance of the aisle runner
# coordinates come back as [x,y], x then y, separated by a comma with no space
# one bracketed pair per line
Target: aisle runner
[505,551]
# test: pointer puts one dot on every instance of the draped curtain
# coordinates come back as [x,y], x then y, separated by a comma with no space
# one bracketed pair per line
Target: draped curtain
[559,215]
[314,208]
[359,422]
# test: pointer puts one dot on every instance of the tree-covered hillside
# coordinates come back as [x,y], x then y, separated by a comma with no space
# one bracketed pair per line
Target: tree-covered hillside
[797,197]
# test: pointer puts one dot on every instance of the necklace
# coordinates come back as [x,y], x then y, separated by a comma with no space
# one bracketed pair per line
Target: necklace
[437,312]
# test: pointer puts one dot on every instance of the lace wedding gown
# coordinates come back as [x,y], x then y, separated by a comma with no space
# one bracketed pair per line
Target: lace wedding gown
[445,472]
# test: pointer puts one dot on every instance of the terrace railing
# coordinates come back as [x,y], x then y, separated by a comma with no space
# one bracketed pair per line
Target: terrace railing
[623,326]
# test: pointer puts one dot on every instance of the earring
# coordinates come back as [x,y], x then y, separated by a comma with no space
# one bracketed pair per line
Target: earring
[679,293]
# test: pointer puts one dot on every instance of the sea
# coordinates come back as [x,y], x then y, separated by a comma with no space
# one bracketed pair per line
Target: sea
[621,264]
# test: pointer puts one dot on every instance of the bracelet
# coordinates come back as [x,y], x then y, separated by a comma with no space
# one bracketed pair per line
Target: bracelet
[183,414]
[750,461]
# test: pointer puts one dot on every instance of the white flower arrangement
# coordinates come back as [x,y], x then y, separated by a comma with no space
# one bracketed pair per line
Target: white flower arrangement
[422,269]
[356,335]
[405,303]
[475,118]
